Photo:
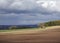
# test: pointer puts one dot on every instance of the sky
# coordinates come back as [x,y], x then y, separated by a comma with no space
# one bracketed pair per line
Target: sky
[24,12]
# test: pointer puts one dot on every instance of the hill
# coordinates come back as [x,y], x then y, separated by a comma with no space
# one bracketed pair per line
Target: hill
[50,23]
[53,23]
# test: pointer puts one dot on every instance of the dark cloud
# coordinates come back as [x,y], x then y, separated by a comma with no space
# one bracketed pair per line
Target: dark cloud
[28,11]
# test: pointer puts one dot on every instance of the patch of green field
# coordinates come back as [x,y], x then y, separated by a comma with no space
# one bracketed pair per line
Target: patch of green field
[5,30]
[18,30]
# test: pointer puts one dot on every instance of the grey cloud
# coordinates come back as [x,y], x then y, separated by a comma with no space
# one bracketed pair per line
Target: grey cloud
[23,6]
[27,12]
[26,18]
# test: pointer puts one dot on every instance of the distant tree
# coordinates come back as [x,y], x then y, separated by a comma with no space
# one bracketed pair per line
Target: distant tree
[41,25]
[12,28]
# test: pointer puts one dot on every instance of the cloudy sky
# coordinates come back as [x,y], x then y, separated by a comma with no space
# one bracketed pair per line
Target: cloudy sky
[23,12]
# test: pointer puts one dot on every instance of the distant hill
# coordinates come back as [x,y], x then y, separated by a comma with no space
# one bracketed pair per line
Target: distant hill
[4,27]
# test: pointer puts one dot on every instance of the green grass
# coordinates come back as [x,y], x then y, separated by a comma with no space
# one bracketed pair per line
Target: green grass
[26,29]
[5,30]
[18,29]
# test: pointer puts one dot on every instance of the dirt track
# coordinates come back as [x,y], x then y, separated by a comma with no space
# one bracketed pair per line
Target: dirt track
[47,36]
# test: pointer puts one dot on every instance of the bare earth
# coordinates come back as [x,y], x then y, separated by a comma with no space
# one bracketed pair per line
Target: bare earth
[51,35]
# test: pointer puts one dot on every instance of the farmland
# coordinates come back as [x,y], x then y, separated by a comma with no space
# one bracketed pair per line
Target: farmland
[48,35]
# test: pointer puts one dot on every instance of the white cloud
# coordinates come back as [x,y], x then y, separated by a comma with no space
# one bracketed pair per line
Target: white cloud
[47,4]
[28,4]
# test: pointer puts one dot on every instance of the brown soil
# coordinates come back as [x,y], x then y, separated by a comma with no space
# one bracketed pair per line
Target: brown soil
[47,36]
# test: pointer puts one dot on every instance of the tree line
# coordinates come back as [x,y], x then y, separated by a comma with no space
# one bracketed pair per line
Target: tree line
[50,23]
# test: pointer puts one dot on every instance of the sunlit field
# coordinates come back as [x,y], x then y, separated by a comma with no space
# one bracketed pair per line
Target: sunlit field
[35,35]
[22,31]
[28,30]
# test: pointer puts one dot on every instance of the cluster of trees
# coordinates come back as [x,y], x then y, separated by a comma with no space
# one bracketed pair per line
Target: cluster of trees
[50,23]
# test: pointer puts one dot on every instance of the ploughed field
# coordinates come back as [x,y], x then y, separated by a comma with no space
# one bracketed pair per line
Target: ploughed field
[50,35]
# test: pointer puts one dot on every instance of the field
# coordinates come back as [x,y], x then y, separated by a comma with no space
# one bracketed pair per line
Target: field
[47,35]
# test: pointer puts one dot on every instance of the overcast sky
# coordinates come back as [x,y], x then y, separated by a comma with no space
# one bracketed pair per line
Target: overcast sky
[19,12]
